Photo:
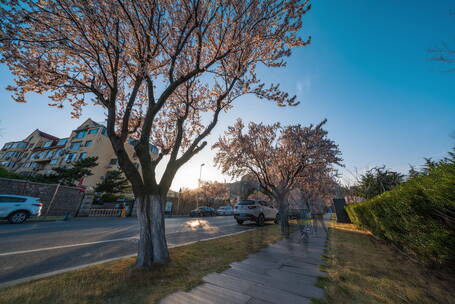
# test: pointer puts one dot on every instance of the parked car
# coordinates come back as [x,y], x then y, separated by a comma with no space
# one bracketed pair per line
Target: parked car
[256,211]
[203,211]
[17,209]
[225,210]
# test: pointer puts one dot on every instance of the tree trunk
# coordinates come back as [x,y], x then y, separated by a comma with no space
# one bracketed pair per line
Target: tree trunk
[145,246]
[284,215]
[160,250]
[152,247]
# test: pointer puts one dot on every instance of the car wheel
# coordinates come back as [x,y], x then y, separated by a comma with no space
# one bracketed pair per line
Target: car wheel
[277,218]
[18,217]
[240,222]
[260,221]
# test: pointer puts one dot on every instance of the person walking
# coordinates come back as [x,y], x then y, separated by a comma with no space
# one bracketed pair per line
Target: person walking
[317,212]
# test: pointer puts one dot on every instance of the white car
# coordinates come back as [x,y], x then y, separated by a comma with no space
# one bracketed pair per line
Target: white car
[256,211]
[17,208]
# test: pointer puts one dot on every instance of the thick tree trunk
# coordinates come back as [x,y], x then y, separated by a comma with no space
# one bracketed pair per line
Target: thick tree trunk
[160,250]
[284,215]
[145,246]
[152,247]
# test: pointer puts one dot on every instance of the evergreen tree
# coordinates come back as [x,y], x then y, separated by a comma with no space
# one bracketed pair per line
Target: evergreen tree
[69,176]
[114,182]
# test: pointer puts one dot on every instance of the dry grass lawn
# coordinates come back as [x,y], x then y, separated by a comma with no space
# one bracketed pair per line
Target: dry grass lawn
[115,282]
[362,269]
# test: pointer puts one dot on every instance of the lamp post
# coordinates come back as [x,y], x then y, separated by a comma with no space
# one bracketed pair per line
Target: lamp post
[199,184]
[178,201]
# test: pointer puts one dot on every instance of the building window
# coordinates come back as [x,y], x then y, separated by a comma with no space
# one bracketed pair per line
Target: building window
[62,142]
[88,143]
[53,161]
[113,161]
[8,164]
[83,155]
[80,134]
[47,144]
[50,154]
[93,131]
[69,157]
[75,146]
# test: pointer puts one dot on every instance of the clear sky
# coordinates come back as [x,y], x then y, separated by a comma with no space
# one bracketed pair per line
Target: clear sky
[367,70]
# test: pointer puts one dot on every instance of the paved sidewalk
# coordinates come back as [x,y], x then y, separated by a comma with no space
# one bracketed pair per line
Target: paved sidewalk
[283,273]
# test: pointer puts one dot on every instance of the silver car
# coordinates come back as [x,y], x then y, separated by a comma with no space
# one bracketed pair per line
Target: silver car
[225,210]
[17,208]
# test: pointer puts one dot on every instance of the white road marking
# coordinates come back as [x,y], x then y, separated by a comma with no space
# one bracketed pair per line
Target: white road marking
[66,246]
[87,243]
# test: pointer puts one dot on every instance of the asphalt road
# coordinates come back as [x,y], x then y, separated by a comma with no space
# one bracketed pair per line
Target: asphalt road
[36,248]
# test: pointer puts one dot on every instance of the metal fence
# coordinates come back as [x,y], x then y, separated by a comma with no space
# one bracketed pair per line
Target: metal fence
[104,212]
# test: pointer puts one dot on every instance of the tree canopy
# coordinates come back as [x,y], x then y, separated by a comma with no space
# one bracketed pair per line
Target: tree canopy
[114,182]
[72,174]
[281,158]
[377,180]
[163,70]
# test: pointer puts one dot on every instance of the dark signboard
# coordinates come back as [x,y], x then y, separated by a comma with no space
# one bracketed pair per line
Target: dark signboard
[342,216]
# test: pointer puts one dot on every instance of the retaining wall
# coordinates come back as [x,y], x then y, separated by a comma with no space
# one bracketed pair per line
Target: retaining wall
[67,200]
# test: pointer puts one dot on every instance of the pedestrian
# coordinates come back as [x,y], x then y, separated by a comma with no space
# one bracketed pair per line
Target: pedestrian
[317,212]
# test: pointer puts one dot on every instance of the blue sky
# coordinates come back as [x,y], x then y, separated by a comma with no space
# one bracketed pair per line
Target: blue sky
[367,70]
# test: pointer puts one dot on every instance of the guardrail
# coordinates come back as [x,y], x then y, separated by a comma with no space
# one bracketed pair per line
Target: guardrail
[104,212]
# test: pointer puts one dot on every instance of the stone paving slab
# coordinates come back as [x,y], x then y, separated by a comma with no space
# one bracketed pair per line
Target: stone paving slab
[285,272]
[258,291]
[288,285]
[218,294]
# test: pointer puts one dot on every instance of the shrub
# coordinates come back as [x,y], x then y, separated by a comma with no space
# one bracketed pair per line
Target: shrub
[417,216]
[7,174]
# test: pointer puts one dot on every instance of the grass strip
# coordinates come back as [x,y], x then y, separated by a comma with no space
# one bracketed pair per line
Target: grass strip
[362,269]
[116,282]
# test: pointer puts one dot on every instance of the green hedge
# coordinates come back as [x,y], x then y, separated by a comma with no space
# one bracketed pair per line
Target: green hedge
[417,216]
[7,174]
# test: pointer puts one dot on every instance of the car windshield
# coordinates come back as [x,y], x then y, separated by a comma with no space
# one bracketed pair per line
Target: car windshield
[245,203]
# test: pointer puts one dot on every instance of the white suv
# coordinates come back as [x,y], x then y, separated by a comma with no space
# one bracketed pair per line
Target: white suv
[256,211]
[17,209]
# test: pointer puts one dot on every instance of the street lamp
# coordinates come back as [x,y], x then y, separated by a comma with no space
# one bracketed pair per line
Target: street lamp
[200,173]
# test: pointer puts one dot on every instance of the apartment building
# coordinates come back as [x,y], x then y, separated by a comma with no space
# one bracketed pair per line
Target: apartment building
[40,153]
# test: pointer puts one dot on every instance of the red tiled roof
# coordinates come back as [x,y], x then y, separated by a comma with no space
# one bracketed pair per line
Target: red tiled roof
[48,136]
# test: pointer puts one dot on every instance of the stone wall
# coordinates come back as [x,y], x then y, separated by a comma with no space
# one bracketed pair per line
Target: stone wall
[67,199]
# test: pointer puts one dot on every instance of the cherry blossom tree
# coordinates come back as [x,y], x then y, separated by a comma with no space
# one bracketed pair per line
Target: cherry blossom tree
[318,186]
[278,156]
[164,71]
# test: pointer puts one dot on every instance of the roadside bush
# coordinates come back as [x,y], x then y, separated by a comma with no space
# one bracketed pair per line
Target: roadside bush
[7,174]
[417,216]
